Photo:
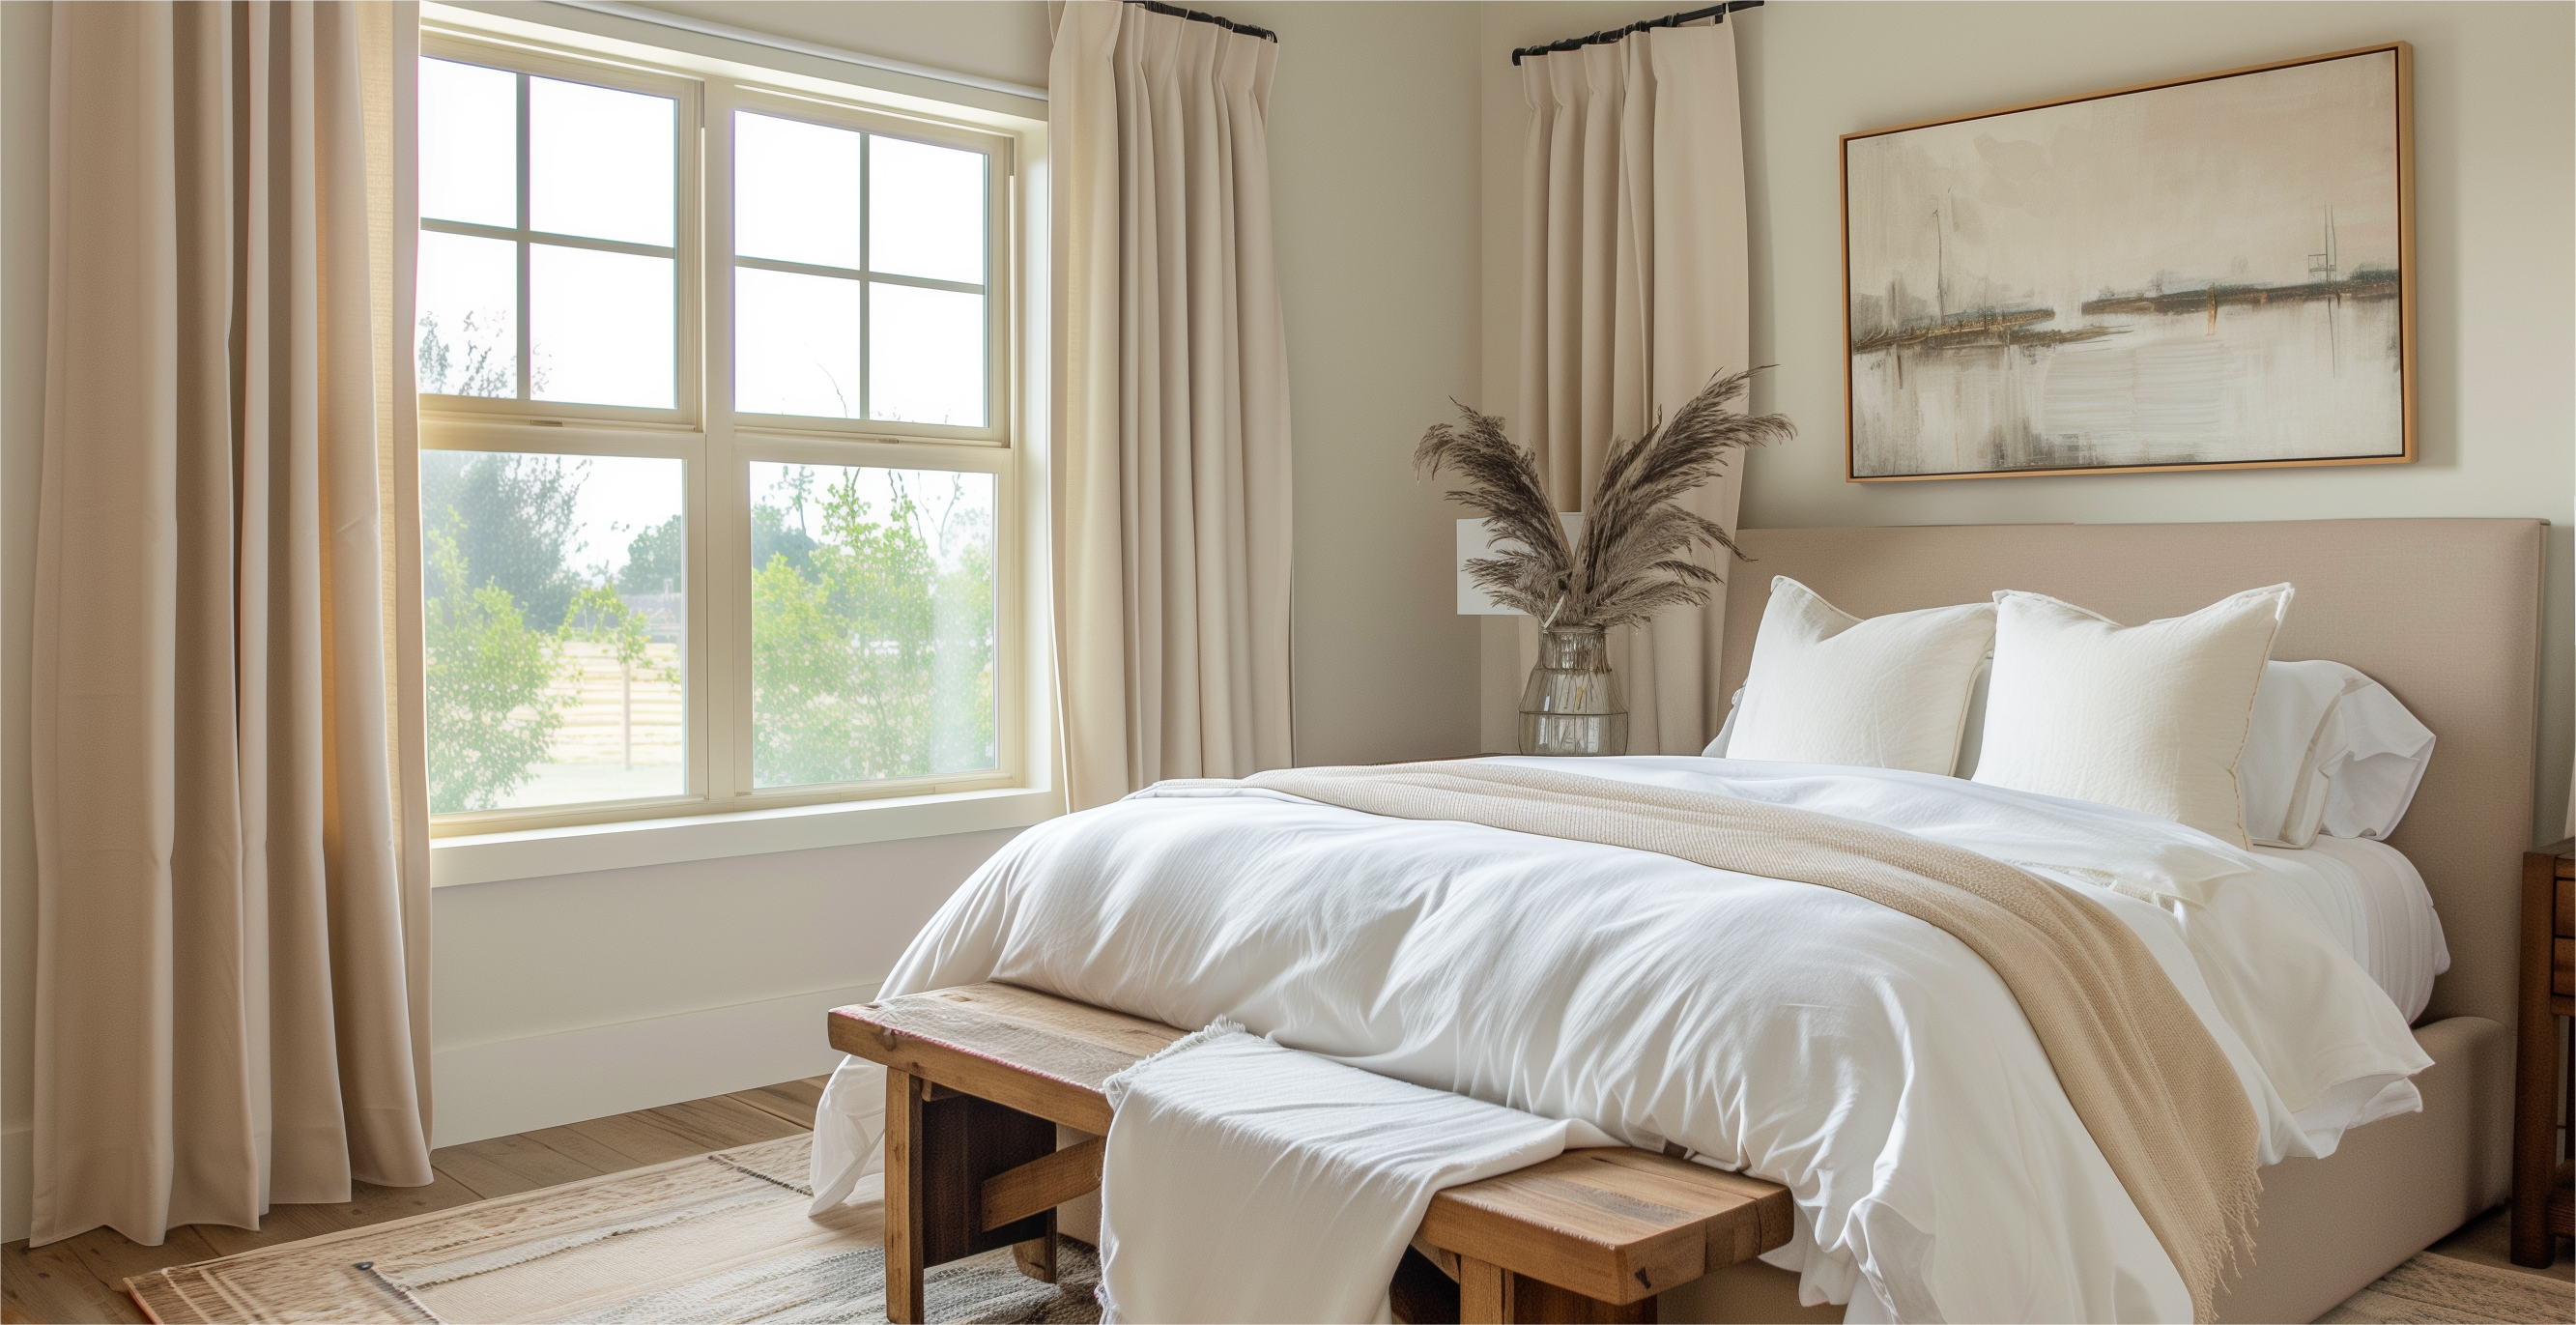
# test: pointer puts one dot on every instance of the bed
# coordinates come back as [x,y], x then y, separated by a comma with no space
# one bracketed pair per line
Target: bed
[2446,613]
[2461,654]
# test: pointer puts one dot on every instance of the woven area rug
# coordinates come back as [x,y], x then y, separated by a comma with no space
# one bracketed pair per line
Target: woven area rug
[724,1238]
[717,1238]
[2431,1289]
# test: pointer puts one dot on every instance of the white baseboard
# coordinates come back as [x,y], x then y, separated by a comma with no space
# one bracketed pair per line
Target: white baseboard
[17,1156]
[508,1086]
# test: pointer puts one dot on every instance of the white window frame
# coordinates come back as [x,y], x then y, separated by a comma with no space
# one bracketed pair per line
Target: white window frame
[723,102]
[723,813]
[686,405]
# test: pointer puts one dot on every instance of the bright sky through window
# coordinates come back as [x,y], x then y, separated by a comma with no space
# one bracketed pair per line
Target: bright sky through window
[860,283]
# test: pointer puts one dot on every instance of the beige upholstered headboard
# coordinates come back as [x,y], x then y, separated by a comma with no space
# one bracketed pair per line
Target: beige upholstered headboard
[2445,613]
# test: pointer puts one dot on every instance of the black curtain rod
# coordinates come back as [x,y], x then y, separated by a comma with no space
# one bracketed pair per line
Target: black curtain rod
[1158,7]
[1718,12]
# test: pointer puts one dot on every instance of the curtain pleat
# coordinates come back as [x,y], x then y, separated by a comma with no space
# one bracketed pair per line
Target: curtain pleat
[388,85]
[1634,291]
[225,1001]
[1170,445]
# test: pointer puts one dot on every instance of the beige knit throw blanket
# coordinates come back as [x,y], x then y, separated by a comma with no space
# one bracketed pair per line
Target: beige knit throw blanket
[2152,1086]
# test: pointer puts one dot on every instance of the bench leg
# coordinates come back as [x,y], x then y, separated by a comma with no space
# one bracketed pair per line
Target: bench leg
[941,1147]
[903,1198]
[1484,1293]
[1488,1294]
[1036,1257]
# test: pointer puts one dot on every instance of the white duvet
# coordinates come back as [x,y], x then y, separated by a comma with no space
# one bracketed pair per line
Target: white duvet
[1865,1059]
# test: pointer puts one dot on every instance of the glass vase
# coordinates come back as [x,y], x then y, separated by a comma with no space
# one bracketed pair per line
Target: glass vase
[1574,704]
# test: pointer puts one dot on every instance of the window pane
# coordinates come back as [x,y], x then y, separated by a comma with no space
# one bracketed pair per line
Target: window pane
[871,623]
[925,211]
[469,143]
[467,336]
[599,327]
[925,355]
[796,344]
[600,162]
[796,191]
[554,599]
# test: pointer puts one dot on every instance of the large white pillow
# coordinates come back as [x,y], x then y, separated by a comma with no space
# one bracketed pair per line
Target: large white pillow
[2151,718]
[2330,751]
[1827,687]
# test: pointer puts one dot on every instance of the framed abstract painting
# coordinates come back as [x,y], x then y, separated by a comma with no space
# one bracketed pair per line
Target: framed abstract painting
[2214,272]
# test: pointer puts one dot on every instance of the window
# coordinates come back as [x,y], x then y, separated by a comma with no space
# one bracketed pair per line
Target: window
[717,473]
[871,623]
[550,233]
[859,268]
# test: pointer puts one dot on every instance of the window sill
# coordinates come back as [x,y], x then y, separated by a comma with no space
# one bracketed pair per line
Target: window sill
[544,852]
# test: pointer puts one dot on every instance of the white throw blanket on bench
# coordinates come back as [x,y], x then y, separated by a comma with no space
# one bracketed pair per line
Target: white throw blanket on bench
[1245,1181]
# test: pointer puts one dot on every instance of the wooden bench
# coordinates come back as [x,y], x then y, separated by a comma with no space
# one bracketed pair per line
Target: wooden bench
[979,1076]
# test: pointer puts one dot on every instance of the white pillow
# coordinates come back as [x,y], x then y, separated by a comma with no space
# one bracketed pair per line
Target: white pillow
[1827,687]
[2285,795]
[2373,764]
[1972,742]
[2150,718]
[1717,744]
[2330,751]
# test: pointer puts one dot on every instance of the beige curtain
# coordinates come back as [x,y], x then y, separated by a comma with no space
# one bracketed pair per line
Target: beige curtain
[1170,459]
[1633,292]
[225,1004]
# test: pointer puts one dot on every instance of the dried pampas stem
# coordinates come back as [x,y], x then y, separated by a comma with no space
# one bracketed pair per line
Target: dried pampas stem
[1634,560]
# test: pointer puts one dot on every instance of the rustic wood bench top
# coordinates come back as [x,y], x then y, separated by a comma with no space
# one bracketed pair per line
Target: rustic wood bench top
[1616,1225]
[1035,1052]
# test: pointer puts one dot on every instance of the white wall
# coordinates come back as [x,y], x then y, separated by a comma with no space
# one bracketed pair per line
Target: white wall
[1373,173]
[2495,122]
[588,994]
[1000,39]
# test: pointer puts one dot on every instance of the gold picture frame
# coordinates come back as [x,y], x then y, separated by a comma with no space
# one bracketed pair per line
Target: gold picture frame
[2118,282]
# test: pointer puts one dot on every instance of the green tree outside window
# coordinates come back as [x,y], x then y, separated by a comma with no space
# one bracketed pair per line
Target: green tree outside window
[871,659]
[873,624]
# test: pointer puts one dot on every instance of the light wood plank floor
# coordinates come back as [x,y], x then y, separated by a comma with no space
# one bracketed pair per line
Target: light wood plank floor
[82,1279]
[2488,1240]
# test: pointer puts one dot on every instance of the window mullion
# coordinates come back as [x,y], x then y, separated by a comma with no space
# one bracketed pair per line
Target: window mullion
[723,537]
[527,359]
[993,351]
[603,245]
[867,144]
[842,273]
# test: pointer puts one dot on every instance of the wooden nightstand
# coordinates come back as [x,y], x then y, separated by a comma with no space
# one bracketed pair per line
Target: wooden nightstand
[2543,1210]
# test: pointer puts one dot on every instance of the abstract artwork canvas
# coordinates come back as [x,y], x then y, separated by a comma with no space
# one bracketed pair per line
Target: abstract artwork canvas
[2210,273]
